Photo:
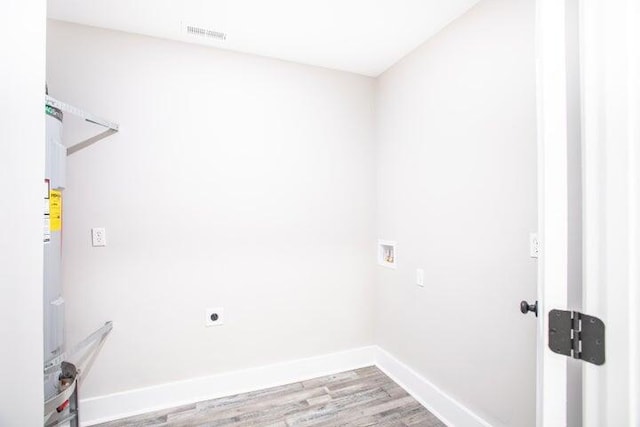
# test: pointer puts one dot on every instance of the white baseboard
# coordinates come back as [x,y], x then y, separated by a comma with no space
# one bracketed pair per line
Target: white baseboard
[447,409]
[114,406]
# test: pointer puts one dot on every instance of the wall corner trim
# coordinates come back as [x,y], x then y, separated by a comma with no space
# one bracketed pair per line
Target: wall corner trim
[124,404]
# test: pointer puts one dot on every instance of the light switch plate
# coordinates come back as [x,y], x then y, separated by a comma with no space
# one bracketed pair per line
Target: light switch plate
[534,245]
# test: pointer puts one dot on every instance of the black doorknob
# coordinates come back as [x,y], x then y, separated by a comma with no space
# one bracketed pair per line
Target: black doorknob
[525,307]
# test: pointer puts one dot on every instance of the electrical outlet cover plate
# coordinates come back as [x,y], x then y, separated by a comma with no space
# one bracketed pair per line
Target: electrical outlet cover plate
[98,237]
[208,321]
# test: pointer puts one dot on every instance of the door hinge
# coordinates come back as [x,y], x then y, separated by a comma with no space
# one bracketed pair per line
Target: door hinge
[577,335]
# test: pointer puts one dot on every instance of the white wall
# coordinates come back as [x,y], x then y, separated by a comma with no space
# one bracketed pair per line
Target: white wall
[235,181]
[22,174]
[457,191]
[251,183]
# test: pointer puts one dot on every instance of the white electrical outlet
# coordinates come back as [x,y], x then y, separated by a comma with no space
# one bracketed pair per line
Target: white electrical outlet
[214,316]
[420,277]
[98,237]
[534,245]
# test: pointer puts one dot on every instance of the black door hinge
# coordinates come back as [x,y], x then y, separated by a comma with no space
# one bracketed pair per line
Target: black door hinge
[577,335]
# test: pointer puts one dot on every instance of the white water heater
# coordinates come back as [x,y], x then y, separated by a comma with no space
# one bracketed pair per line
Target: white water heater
[54,336]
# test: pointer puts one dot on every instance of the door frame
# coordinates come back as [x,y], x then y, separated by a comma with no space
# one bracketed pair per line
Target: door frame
[610,71]
[552,128]
[610,116]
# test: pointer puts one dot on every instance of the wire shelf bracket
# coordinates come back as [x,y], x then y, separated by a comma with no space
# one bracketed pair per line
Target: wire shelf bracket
[111,127]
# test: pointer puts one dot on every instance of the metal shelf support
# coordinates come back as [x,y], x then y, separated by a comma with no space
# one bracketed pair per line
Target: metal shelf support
[111,127]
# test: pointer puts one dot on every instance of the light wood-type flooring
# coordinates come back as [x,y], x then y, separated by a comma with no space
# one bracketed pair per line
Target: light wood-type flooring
[363,397]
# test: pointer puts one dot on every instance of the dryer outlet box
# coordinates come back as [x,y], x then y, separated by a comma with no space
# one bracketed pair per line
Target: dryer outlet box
[214,316]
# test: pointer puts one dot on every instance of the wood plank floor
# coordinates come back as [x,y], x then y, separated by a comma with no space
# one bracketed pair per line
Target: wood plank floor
[364,397]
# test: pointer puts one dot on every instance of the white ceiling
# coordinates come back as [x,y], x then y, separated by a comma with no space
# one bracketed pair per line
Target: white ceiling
[361,36]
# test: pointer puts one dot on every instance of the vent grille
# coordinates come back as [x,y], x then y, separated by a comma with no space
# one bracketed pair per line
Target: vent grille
[203,32]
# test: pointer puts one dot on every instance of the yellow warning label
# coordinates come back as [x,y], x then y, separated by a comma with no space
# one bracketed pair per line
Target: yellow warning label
[55,209]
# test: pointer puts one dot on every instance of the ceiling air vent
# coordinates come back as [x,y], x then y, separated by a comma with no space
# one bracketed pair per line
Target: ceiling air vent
[204,32]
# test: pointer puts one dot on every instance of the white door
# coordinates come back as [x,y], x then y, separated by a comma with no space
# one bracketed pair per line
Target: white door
[609,103]
[553,206]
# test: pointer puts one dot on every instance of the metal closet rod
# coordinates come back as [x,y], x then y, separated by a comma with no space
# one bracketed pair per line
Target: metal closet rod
[110,126]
